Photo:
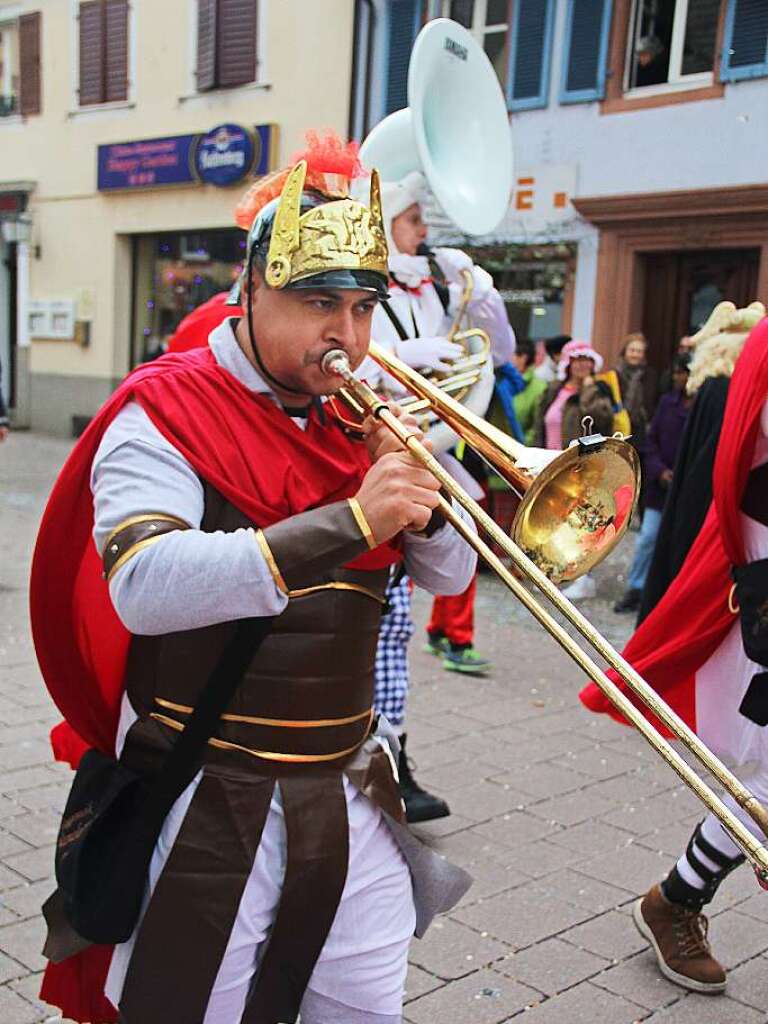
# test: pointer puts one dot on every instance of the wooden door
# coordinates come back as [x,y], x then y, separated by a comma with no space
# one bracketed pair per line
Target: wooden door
[706,278]
[682,288]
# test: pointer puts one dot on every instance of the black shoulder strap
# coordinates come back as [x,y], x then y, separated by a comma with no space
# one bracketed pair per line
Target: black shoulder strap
[183,761]
[395,321]
[439,282]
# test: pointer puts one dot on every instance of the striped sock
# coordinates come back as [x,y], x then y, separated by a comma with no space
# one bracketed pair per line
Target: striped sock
[694,880]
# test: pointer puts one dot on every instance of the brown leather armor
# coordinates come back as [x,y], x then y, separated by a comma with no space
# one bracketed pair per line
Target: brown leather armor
[302,712]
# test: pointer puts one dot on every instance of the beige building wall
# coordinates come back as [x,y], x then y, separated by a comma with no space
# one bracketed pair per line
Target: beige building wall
[80,247]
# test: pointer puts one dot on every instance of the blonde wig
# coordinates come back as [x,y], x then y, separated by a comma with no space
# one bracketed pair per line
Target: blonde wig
[719,342]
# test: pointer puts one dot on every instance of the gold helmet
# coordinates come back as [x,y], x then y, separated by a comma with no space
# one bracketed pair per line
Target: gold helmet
[311,234]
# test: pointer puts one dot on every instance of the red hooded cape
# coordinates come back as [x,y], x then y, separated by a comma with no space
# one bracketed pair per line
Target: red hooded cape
[258,459]
[693,619]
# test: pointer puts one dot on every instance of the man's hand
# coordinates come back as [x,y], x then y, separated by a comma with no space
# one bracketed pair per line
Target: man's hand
[379,438]
[397,494]
[665,476]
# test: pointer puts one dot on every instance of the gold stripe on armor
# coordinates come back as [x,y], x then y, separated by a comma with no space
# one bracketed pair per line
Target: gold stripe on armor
[336,585]
[283,723]
[149,517]
[362,522]
[265,755]
[134,550]
[269,558]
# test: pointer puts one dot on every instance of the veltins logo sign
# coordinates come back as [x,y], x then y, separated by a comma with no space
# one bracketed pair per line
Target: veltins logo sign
[224,155]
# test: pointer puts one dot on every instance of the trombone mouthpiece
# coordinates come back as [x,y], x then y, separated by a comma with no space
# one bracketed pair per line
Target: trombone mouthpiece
[336,362]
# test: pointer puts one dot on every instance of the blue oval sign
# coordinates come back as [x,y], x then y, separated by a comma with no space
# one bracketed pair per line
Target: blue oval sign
[224,156]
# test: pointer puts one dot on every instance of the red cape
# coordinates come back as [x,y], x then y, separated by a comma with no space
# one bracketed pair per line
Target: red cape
[251,452]
[194,329]
[692,619]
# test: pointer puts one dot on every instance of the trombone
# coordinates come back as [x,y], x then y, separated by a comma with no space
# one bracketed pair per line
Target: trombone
[364,401]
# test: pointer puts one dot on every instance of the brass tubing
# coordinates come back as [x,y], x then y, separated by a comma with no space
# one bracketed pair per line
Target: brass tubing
[335,362]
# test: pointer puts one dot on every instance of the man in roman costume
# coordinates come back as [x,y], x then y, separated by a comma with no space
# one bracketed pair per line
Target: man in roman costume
[216,486]
[704,648]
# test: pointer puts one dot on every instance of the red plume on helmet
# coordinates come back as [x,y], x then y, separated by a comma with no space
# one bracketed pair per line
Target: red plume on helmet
[331,166]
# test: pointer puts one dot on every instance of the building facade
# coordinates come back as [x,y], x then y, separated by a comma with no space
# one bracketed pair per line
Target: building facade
[638,127]
[128,131]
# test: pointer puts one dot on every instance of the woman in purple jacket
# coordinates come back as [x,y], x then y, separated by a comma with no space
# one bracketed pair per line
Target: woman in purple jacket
[660,450]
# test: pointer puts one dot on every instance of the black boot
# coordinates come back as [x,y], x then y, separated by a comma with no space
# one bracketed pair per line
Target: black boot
[419,804]
[629,601]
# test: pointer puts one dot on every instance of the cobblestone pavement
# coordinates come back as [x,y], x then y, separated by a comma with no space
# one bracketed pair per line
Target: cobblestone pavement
[561,817]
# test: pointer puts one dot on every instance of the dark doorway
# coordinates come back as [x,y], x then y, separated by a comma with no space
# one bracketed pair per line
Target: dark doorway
[10,326]
[682,289]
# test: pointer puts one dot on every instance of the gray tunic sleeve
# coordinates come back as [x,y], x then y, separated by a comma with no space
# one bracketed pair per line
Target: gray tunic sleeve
[443,563]
[188,578]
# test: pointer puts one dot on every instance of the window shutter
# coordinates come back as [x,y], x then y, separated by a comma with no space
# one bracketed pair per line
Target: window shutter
[236,45]
[91,52]
[206,45]
[402,32]
[116,50]
[29,57]
[745,50]
[584,71]
[530,53]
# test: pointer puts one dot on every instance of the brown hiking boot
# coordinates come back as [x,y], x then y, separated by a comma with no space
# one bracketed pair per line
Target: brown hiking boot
[679,939]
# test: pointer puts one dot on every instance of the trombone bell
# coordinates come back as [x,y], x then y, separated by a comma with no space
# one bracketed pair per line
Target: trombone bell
[576,505]
[577,509]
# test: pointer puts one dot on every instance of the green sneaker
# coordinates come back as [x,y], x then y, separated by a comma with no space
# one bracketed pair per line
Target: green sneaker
[437,645]
[466,660]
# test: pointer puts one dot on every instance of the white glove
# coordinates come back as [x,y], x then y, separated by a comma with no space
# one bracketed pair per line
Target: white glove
[452,262]
[428,353]
[483,285]
[491,316]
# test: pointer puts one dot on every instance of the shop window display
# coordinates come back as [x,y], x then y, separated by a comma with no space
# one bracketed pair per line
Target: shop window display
[534,282]
[173,274]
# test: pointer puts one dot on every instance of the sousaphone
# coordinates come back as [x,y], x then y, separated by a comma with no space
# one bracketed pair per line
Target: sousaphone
[455,131]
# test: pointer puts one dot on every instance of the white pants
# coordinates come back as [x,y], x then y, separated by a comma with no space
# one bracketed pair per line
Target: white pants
[360,975]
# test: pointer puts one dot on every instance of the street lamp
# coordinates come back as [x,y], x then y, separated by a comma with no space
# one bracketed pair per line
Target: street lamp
[17,229]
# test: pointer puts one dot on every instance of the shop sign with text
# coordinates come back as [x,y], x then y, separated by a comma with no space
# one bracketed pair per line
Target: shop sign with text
[223,156]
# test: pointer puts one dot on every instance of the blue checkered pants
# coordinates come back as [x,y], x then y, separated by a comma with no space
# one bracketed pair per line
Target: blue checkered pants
[391,673]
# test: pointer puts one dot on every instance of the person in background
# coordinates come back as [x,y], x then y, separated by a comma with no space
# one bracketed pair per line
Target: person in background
[414,322]
[570,400]
[547,369]
[526,402]
[513,409]
[661,444]
[685,347]
[572,397]
[652,61]
[4,421]
[718,345]
[638,384]
[704,650]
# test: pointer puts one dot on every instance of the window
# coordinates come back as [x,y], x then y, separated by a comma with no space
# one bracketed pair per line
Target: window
[671,43]
[404,24]
[227,44]
[585,62]
[530,44]
[9,68]
[175,273]
[745,52]
[103,35]
[488,20]
[20,85]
